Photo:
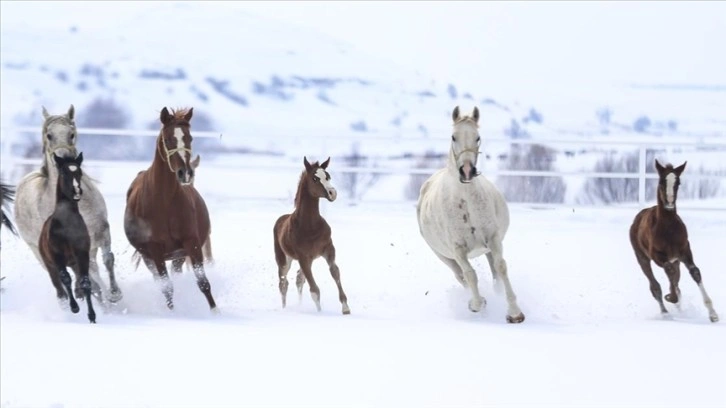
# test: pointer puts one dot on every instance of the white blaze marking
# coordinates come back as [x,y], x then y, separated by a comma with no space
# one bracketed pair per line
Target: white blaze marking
[670,185]
[72,167]
[320,173]
[76,186]
[179,134]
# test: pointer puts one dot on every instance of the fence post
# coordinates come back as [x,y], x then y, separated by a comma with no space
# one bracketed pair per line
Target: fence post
[641,174]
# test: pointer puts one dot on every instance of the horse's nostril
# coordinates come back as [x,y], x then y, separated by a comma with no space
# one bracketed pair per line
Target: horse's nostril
[180,173]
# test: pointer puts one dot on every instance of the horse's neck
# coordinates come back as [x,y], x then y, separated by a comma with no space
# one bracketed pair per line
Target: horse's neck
[164,181]
[665,215]
[451,162]
[62,200]
[52,172]
[308,210]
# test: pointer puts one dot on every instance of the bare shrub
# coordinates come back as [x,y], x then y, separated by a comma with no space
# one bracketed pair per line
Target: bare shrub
[618,190]
[701,188]
[354,184]
[533,189]
[106,113]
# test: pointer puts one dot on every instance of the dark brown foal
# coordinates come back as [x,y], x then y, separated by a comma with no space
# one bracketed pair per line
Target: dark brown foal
[305,236]
[659,234]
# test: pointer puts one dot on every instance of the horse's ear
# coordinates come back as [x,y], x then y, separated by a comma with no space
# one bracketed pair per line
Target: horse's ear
[46,115]
[79,159]
[71,112]
[308,167]
[165,117]
[189,114]
[475,114]
[58,160]
[678,170]
[325,164]
[659,167]
[195,162]
[455,114]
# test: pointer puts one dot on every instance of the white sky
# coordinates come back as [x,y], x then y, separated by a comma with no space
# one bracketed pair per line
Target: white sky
[562,41]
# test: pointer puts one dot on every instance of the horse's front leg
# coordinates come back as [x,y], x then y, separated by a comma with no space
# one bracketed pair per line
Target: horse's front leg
[193,249]
[82,260]
[306,264]
[472,281]
[514,313]
[329,255]
[673,271]
[687,259]
[109,261]
[65,279]
[157,266]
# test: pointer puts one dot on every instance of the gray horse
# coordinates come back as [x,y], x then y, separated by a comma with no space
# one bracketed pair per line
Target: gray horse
[36,195]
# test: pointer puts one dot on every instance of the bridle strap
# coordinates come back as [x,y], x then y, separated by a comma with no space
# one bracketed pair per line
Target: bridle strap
[171,152]
[457,155]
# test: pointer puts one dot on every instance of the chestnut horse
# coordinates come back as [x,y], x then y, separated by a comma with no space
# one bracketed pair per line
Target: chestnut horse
[64,239]
[305,236]
[166,217]
[659,234]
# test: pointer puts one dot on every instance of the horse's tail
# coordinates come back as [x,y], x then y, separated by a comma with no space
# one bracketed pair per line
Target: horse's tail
[7,195]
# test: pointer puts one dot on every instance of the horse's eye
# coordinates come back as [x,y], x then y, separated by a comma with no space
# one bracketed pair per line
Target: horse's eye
[49,136]
[478,139]
[316,179]
[453,139]
[73,136]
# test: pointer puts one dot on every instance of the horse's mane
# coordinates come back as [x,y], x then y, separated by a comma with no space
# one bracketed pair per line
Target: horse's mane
[467,118]
[178,115]
[303,181]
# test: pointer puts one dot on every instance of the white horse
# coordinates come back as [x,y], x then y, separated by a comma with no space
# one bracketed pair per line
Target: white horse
[35,199]
[462,215]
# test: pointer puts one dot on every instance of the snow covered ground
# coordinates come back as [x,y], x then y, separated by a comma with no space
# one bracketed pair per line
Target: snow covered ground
[592,336]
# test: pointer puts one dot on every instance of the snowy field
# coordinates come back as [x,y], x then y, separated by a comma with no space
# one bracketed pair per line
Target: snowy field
[593,336]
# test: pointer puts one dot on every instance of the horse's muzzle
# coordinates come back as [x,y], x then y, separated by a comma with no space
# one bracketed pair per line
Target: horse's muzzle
[185,176]
[467,172]
[332,194]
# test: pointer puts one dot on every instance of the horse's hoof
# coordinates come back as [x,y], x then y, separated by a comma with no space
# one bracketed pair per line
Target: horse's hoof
[516,319]
[671,299]
[215,310]
[346,310]
[713,318]
[74,308]
[475,306]
[115,296]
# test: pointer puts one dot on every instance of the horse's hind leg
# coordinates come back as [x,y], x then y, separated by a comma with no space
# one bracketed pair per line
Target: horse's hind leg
[177,264]
[472,281]
[283,267]
[687,259]
[655,289]
[300,283]
[329,255]
[458,273]
[514,313]
[496,282]
[109,261]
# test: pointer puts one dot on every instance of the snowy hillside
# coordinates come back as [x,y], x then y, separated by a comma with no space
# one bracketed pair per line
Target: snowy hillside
[258,78]
[282,86]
